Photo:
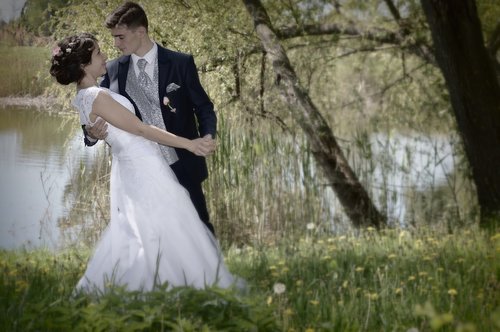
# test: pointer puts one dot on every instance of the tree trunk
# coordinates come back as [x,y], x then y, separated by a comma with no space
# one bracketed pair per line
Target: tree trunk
[353,197]
[474,92]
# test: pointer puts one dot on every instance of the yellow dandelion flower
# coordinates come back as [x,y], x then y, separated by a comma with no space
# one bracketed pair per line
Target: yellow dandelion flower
[423,274]
[309,330]
[272,267]
[21,285]
[269,300]
[392,256]
[343,237]
[398,291]
[359,269]
[314,302]
[371,296]
[299,283]
[288,312]
[427,258]
[411,278]
[440,269]
[452,292]
[495,237]
[345,284]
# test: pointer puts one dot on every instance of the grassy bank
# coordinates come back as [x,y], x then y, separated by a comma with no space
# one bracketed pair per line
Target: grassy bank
[23,70]
[389,281]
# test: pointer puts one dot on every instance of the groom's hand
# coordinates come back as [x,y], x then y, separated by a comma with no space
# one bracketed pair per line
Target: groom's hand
[99,130]
[203,146]
[210,144]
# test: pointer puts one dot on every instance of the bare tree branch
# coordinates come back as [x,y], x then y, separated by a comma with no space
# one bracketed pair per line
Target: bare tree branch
[379,35]
[393,9]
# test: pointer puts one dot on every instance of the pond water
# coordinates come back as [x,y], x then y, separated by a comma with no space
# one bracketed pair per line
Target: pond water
[39,151]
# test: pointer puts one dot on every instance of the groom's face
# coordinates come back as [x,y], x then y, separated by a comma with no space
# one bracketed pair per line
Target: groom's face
[126,40]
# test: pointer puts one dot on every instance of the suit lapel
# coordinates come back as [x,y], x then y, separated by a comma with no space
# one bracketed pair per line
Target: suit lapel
[123,66]
[163,71]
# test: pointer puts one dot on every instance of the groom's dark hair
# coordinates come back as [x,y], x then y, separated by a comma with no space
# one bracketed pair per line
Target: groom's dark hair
[130,14]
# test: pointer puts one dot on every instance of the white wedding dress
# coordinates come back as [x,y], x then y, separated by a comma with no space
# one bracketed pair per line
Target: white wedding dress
[154,235]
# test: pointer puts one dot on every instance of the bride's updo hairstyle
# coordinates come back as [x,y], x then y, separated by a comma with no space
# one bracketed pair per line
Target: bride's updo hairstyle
[70,56]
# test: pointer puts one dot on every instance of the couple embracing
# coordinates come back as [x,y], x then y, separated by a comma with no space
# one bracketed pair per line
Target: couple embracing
[160,124]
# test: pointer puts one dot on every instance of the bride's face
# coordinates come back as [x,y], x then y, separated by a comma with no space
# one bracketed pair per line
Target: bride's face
[97,65]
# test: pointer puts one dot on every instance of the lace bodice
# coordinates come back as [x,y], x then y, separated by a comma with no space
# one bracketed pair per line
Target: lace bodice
[123,144]
[84,100]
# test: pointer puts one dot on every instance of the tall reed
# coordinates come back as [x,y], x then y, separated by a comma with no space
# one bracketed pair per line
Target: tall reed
[24,70]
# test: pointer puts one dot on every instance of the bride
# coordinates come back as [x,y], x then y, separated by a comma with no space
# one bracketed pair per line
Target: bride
[155,235]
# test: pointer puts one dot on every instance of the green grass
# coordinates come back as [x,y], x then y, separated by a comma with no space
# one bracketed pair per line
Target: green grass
[24,70]
[388,281]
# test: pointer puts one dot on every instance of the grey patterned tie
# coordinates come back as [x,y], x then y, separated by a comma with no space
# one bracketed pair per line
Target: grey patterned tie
[143,78]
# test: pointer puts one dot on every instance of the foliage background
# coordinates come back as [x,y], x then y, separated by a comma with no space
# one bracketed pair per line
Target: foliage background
[263,178]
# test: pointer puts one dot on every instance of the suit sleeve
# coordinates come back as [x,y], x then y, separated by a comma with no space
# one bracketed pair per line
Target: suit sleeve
[203,107]
[86,139]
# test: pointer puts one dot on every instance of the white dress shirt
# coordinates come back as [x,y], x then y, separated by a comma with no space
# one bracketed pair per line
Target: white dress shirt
[150,58]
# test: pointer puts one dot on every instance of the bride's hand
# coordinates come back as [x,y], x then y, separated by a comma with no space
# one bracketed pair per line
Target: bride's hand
[99,130]
[202,146]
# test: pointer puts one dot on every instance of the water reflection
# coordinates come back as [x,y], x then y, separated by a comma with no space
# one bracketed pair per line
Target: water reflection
[407,168]
[38,153]
[53,189]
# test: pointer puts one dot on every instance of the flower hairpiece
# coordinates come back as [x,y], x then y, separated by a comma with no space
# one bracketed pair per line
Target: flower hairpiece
[56,51]
[68,50]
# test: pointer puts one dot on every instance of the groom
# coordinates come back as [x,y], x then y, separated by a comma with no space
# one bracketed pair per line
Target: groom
[166,92]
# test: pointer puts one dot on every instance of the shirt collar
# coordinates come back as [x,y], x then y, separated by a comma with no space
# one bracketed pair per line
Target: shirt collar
[150,56]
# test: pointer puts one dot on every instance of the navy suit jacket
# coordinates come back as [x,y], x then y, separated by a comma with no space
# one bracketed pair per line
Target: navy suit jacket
[194,114]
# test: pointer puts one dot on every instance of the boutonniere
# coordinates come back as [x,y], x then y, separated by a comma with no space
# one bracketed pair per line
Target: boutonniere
[166,102]
[172,87]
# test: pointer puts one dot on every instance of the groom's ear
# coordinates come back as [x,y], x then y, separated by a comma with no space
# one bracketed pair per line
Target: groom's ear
[142,31]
